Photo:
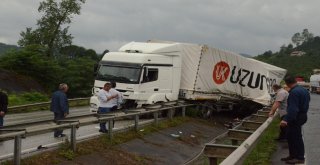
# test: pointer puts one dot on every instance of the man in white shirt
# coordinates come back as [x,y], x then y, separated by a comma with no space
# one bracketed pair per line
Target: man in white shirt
[115,101]
[105,97]
[280,103]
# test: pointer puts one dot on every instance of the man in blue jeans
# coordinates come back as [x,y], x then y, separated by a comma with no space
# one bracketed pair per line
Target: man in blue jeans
[105,98]
[298,105]
[3,106]
[60,107]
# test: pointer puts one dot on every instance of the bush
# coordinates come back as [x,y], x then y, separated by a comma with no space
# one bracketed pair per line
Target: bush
[27,98]
[74,69]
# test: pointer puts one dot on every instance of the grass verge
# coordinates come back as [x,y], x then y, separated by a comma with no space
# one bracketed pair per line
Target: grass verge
[36,97]
[27,98]
[265,147]
[103,146]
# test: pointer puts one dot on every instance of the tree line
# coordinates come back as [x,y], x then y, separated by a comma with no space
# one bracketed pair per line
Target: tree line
[47,54]
[296,65]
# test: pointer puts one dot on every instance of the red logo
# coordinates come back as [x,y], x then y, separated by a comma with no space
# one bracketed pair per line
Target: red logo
[221,72]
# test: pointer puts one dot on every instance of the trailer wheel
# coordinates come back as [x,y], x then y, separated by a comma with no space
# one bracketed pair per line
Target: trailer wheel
[206,109]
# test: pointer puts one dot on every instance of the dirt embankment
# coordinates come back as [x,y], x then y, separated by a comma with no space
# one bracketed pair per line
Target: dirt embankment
[13,82]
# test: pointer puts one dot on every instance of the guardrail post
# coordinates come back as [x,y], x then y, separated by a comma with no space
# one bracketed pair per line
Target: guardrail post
[170,113]
[234,142]
[110,125]
[156,119]
[183,111]
[198,107]
[16,134]
[17,149]
[215,151]
[136,122]
[73,137]
[213,161]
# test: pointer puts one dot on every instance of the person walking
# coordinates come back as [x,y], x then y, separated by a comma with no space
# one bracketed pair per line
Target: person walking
[298,105]
[105,98]
[3,106]
[60,107]
[280,103]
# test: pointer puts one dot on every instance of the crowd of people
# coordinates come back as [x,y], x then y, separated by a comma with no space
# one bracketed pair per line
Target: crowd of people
[292,103]
[108,97]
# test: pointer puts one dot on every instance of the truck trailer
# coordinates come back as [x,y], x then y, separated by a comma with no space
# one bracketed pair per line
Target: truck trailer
[315,83]
[161,71]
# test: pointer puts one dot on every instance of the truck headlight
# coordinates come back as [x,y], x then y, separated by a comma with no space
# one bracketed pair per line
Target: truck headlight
[94,106]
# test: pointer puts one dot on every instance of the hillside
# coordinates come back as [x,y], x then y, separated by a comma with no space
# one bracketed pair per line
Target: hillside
[13,82]
[296,65]
[4,48]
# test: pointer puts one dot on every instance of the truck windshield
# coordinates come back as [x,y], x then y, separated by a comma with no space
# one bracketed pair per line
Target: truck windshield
[118,73]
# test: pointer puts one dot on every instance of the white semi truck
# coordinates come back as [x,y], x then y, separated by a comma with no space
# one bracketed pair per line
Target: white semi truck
[315,83]
[161,71]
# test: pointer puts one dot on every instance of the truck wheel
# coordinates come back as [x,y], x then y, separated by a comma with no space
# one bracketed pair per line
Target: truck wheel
[206,110]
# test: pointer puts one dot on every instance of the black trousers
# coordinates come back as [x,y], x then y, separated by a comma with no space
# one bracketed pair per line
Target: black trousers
[294,137]
[58,116]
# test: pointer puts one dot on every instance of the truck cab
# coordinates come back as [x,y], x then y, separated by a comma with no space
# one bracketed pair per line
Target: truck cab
[144,76]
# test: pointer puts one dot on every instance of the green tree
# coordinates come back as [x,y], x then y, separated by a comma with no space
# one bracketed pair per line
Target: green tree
[299,38]
[74,51]
[297,66]
[78,74]
[306,35]
[32,62]
[52,30]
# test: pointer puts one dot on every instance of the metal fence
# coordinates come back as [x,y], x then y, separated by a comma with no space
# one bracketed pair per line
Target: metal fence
[248,133]
[17,134]
[42,104]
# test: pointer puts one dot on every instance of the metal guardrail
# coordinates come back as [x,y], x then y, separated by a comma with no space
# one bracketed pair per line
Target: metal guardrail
[234,154]
[74,124]
[42,104]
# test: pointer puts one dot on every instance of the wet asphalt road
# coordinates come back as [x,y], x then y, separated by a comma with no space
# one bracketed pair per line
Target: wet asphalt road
[312,132]
[20,118]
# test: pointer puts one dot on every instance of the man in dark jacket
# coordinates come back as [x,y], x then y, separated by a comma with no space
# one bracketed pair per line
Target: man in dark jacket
[59,106]
[298,105]
[3,106]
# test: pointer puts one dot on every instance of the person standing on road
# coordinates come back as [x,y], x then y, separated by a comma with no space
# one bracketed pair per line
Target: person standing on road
[280,103]
[105,98]
[115,101]
[60,107]
[298,105]
[3,106]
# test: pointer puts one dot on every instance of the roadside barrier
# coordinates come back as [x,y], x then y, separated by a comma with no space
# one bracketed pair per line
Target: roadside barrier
[248,132]
[17,134]
[43,104]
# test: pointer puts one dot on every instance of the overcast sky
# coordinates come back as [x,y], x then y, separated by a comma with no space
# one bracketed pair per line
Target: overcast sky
[243,26]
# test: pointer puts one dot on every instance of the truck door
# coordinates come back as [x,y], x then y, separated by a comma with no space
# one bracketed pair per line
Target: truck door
[156,79]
